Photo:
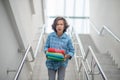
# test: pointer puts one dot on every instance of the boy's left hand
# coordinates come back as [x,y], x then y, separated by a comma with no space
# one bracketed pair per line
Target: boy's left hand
[67,56]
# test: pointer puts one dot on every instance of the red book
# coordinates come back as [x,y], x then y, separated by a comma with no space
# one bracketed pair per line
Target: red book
[56,50]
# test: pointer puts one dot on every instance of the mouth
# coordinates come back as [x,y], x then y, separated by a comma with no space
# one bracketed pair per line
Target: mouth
[59,29]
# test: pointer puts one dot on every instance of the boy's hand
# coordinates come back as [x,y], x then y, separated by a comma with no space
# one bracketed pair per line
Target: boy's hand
[67,57]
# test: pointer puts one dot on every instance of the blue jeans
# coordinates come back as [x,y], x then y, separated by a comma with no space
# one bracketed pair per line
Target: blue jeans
[60,71]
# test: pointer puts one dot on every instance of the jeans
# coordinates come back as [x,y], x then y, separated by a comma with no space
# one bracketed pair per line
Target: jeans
[60,72]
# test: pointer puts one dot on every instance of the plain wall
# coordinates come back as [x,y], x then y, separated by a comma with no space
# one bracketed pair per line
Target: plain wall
[20,24]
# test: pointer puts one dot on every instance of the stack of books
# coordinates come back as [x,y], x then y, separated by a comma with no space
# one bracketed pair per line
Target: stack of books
[55,54]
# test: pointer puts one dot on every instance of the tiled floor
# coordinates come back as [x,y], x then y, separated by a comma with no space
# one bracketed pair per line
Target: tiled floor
[40,70]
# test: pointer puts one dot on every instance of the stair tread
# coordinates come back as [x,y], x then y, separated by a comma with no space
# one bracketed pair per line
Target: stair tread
[107,64]
[105,59]
[87,41]
[108,67]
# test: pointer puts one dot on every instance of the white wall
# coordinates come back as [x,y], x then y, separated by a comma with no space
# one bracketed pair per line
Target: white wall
[19,23]
[9,45]
[106,12]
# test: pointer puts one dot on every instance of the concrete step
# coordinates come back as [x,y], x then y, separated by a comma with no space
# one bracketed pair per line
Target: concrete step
[108,66]
[87,41]
[113,77]
[105,60]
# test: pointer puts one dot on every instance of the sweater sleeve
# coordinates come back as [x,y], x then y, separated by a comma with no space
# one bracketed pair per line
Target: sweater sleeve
[47,44]
[70,48]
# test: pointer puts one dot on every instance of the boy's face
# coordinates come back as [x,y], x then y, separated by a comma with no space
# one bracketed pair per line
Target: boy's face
[60,26]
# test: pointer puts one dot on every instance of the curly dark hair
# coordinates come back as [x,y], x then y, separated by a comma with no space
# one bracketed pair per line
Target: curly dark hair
[55,23]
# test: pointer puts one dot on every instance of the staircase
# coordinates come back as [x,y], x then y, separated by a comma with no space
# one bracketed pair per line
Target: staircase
[105,60]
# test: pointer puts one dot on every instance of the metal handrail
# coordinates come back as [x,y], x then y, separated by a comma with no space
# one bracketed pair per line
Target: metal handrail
[84,59]
[81,48]
[98,64]
[38,44]
[25,56]
[82,56]
[32,54]
[105,28]
[22,63]
[88,78]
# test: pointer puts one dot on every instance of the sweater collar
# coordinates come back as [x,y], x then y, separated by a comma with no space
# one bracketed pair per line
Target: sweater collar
[62,36]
